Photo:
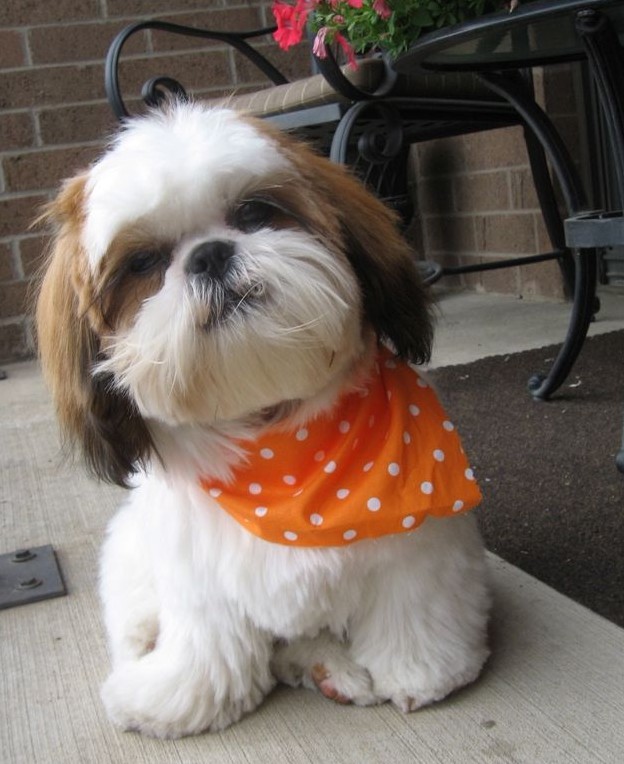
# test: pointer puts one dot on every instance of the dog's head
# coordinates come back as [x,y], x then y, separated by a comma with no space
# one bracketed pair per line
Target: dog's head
[208,268]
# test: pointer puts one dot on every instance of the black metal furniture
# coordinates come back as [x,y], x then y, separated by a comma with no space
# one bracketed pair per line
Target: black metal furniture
[543,33]
[367,119]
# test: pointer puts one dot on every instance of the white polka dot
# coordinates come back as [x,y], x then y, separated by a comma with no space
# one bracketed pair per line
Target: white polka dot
[439,455]
[330,467]
[215,492]
[290,536]
[426,487]
[260,511]
[390,364]
[316,519]
[373,504]
[469,474]
[368,466]
[407,438]
[266,453]
[421,383]
[289,479]
[301,434]
[344,427]
[349,535]
[342,493]
[413,409]
[409,521]
[393,469]
[255,488]
[319,456]
[458,505]
[448,426]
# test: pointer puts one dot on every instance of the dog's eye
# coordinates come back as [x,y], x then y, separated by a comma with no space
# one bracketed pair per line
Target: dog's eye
[254,214]
[145,262]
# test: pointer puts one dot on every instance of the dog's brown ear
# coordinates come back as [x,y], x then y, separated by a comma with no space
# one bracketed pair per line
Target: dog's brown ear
[396,302]
[93,415]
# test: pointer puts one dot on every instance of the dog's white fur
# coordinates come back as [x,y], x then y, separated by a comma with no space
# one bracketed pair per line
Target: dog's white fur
[203,617]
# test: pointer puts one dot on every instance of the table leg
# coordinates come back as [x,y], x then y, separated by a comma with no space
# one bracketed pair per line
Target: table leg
[548,205]
[512,87]
[619,459]
[606,60]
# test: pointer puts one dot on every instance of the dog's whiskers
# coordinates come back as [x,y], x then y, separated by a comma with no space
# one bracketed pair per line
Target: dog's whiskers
[299,327]
[249,291]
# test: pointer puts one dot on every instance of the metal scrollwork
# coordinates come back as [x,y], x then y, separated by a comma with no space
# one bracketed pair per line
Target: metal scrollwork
[153,94]
[374,130]
[383,138]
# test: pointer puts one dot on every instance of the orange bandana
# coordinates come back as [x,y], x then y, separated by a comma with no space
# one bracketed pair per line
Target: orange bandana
[385,458]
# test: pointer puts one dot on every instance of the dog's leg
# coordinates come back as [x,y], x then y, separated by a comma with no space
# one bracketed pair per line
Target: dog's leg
[127,589]
[421,629]
[185,659]
[322,663]
[202,675]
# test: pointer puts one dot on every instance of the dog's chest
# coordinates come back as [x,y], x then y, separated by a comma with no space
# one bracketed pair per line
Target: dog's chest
[291,591]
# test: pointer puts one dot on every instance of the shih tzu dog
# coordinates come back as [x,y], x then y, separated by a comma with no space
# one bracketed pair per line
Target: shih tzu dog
[229,325]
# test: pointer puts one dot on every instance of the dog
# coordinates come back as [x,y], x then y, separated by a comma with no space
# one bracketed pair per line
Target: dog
[230,327]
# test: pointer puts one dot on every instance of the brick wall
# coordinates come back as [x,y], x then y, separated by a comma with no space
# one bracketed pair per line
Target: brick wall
[54,116]
[475,192]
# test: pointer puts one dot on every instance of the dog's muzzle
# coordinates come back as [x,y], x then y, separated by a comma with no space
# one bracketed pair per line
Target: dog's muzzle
[211,270]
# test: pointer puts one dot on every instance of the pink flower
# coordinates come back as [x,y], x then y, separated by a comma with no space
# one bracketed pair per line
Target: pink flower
[382,9]
[319,49]
[291,21]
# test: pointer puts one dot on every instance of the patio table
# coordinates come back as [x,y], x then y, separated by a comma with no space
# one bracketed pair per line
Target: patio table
[497,47]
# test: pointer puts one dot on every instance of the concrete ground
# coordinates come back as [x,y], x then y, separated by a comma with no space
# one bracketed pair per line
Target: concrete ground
[552,692]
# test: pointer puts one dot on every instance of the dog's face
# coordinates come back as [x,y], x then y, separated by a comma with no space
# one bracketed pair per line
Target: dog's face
[206,269]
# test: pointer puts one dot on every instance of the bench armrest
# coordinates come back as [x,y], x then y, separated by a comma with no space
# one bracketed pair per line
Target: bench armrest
[151,93]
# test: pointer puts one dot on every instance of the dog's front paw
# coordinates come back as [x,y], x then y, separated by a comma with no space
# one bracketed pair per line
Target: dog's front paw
[345,683]
[323,664]
[419,686]
[152,697]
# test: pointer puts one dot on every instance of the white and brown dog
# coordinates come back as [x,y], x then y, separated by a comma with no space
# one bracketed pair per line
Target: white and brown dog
[211,325]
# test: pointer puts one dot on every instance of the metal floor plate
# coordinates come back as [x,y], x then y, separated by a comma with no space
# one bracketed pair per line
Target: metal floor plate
[29,575]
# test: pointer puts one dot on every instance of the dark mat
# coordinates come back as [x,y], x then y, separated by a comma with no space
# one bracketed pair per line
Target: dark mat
[553,498]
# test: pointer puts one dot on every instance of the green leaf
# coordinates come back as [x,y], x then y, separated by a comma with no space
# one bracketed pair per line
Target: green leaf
[422,17]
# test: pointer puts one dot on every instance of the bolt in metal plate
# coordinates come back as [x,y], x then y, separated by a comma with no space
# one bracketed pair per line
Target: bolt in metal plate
[29,575]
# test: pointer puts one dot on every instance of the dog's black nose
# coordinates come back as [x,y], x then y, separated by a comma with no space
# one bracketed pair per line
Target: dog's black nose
[211,259]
